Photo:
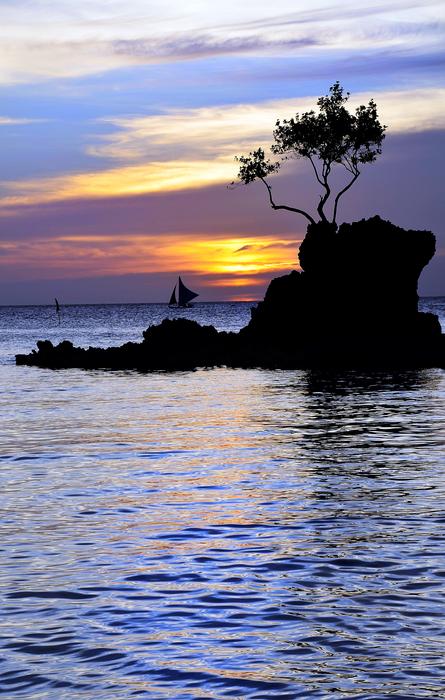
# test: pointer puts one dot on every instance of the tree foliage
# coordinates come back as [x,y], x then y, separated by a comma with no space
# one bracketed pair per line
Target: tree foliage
[332,136]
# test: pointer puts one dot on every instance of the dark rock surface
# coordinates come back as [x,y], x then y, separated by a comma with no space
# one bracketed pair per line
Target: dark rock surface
[358,282]
[354,304]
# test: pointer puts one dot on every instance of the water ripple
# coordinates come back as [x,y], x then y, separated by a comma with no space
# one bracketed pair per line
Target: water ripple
[244,534]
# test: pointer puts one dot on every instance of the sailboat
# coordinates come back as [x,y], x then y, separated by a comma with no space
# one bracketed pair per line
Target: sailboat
[184,296]
[57,309]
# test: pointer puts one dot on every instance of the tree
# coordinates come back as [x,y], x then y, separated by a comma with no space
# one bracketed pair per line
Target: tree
[331,137]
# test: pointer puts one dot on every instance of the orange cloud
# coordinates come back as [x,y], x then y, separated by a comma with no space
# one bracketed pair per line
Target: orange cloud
[129,180]
[223,262]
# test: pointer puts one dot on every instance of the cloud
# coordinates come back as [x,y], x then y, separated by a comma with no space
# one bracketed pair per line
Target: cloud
[285,244]
[276,245]
[92,234]
[333,12]
[28,61]
[89,38]
[87,255]
[224,131]
[195,148]
[12,121]
[243,248]
[151,177]
[204,46]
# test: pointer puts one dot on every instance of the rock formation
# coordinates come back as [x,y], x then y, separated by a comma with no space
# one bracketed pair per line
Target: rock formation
[353,304]
[359,281]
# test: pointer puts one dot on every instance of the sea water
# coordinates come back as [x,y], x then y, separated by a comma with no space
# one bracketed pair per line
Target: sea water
[218,533]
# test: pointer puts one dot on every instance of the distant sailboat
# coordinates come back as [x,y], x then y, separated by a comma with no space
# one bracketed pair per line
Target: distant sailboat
[57,309]
[184,296]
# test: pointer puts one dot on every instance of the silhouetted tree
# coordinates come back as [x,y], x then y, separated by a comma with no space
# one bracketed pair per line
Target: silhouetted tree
[334,136]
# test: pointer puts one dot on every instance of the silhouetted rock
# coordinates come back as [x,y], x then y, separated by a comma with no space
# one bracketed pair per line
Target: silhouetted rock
[354,304]
[358,282]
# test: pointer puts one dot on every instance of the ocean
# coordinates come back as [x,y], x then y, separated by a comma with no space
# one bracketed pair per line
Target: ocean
[220,533]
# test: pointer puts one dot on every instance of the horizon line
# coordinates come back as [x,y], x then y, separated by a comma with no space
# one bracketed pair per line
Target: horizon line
[163,303]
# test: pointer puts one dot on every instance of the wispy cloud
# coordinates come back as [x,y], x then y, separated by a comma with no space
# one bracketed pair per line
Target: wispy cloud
[275,245]
[13,121]
[151,177]
[243,248]
[333,12]
[205,45]
[91,37]
[194,148]
[222,131]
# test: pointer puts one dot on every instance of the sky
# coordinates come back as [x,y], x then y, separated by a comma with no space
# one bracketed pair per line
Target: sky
[120,122]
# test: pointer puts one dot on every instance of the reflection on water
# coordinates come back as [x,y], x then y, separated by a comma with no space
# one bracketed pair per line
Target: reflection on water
[223,533]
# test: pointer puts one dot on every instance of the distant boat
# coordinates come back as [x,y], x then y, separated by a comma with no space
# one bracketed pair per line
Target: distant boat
[57,309]
[184,296]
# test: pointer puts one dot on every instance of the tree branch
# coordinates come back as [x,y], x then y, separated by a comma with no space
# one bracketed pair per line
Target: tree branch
[327,194]
[315,170]
[283,206]
[345,163]
[348,163]
[345,189]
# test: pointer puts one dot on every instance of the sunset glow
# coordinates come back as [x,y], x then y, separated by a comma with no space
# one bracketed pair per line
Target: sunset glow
[143,112]
[221,262]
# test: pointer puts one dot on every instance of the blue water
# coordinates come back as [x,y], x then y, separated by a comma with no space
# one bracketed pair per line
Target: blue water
[218,533]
